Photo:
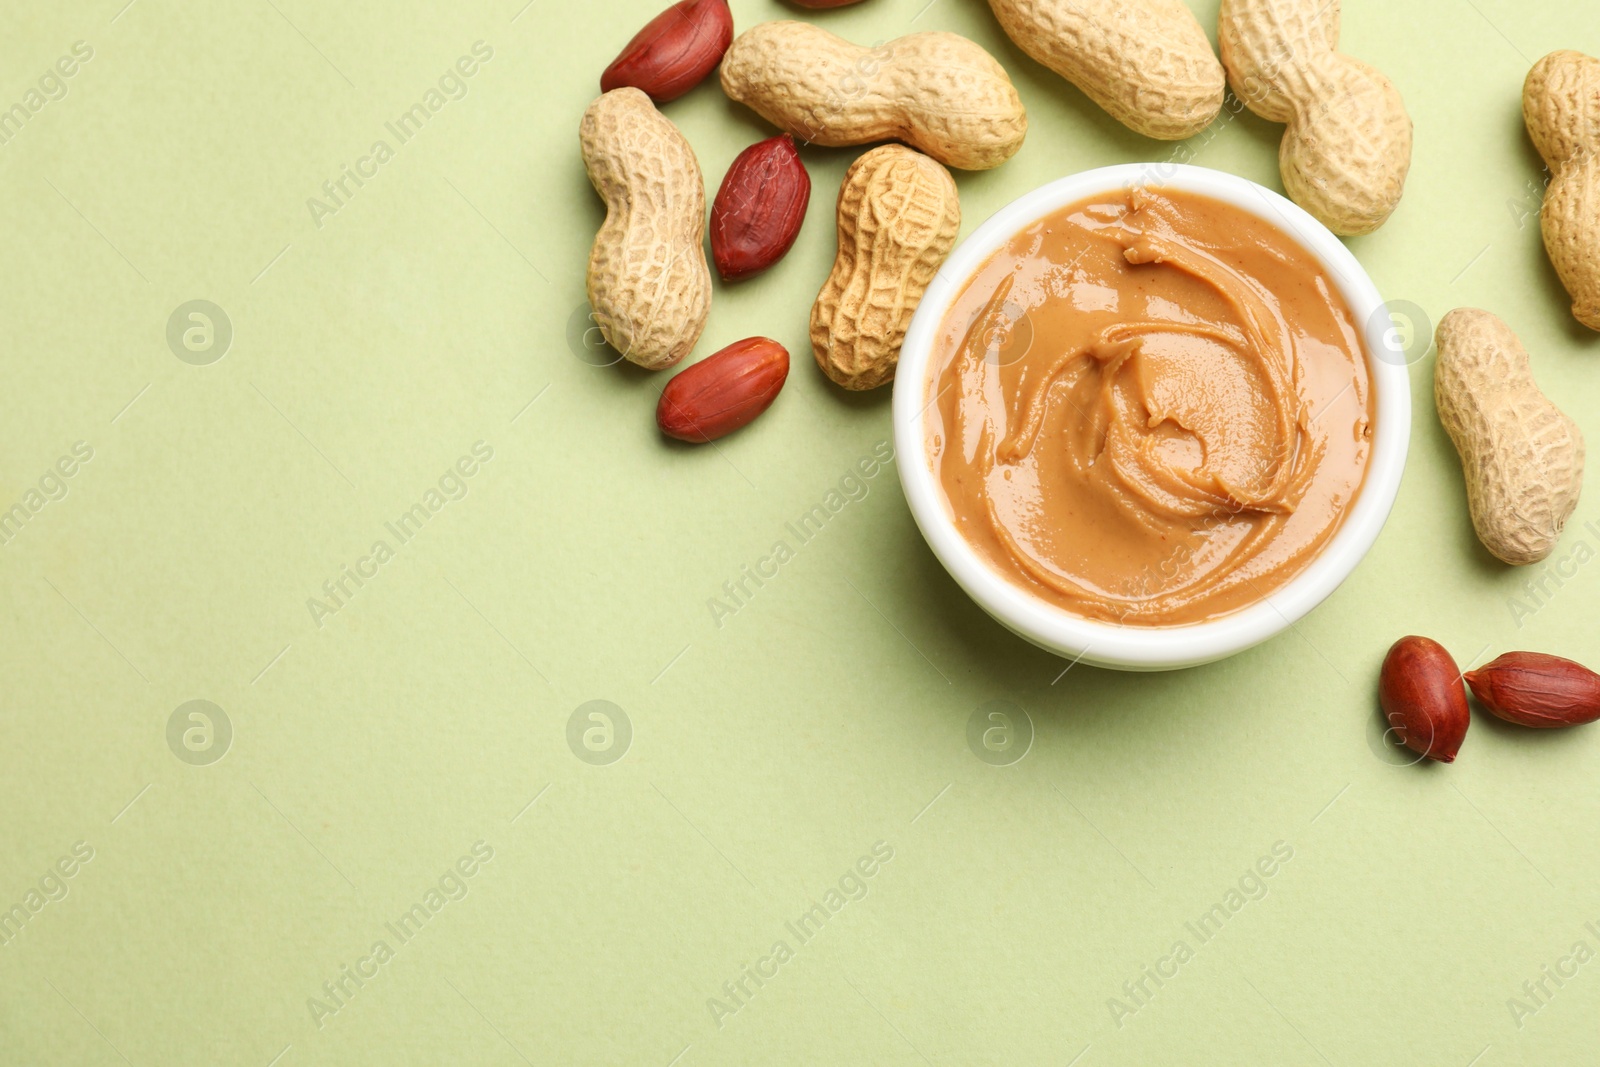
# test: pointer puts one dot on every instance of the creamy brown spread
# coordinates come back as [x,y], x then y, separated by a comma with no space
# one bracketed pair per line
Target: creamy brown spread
[1150,408]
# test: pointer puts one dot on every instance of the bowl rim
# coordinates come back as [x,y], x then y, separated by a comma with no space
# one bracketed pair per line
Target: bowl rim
[1139,647]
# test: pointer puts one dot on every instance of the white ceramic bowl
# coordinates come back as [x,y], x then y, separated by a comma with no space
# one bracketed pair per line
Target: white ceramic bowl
[1149,648]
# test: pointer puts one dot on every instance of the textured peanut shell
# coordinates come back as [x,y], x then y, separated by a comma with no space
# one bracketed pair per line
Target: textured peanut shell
[1561,106]
[649,285]
[1523,458]
[937,92]
[1147,62]
[898,218]
[1347,148]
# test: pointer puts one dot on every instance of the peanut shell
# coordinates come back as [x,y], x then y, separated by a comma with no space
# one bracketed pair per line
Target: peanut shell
[898,219]
[648,282]
[1146,62]
[1522,458]
[937,92]
[1561,107]
[1347,149]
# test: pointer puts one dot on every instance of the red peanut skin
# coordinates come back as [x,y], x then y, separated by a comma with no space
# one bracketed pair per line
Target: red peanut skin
[1422,696]
[724,391]
[675,50]
[1538,690]
[759,208]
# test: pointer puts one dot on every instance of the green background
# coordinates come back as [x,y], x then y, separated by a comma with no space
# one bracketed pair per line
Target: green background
[442,306]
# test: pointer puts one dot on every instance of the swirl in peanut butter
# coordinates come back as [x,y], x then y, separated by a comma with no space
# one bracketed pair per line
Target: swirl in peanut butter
[1149,408]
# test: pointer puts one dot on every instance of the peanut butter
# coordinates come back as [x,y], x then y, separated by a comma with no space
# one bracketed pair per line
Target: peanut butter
[1149,408]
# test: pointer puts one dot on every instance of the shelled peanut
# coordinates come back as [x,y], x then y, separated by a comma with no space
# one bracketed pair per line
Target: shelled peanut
[759,208]
[1347,147]
[1146,62]
[648,282]
[674,52]
[1420,691]
[937,92]
[1422,696]
[1538,690]
[724,391]
[898,218]
[1561,107]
